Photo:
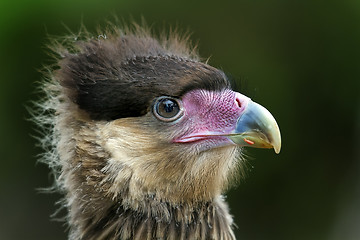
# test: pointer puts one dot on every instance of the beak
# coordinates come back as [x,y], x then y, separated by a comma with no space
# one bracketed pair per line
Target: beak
[256,127]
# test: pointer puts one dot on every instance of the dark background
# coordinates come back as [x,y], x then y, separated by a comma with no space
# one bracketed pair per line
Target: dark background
[300,59]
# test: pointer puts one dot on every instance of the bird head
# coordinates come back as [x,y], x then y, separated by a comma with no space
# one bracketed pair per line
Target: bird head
[140,118]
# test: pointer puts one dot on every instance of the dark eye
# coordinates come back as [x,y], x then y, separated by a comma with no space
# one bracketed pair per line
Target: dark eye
[167,109]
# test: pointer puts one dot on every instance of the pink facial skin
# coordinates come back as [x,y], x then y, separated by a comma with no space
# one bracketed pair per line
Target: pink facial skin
[209,115]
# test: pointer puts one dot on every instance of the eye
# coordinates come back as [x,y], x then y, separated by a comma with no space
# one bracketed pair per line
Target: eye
[168,109]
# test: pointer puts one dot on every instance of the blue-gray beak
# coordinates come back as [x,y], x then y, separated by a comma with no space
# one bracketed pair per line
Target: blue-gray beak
[256,127]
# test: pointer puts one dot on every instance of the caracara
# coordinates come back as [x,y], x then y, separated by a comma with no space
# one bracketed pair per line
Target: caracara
[144,138]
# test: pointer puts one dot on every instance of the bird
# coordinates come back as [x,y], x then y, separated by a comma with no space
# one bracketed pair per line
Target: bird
[143,136]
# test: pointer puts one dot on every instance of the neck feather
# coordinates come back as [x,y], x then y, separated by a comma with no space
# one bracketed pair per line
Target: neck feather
[160,220]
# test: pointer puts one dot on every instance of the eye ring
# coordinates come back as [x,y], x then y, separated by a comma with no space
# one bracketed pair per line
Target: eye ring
[168,109]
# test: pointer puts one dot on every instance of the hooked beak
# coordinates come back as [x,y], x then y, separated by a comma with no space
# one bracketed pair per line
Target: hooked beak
[256,127]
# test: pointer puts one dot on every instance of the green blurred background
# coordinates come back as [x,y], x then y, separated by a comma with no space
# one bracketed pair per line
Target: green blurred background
[300,59]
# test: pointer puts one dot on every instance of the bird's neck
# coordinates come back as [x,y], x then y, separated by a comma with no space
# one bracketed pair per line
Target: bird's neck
[109,197]
[161,220]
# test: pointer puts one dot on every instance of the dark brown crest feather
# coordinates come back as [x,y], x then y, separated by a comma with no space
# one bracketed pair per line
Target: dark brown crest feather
[116,78]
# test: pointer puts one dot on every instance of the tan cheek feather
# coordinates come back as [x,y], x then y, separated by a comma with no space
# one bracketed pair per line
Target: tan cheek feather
[150,169]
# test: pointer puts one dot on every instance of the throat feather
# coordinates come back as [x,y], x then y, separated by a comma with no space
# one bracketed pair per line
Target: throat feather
[160,220]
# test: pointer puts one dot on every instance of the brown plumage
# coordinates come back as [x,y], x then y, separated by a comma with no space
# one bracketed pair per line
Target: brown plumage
[122,168]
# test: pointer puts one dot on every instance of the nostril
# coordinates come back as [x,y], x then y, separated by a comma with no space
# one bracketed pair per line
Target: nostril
[238,102]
